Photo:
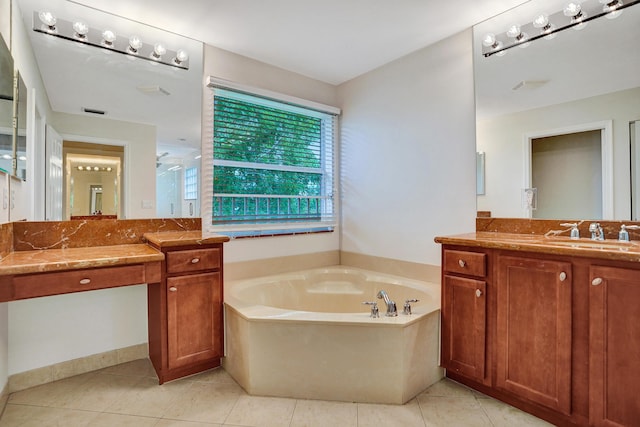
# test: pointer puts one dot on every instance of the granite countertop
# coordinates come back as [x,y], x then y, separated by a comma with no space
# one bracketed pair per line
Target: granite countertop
[46,260]
[583,247]
[164,239]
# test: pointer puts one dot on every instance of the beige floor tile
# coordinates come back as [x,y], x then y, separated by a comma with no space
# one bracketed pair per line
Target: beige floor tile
[98,392]
[178,423]
[52,394]
[259,411]
[503,415]
[216,375]
[111,420]
[135,368]
[407,415]
[38,416]
[319,413]
[205,402]
[147,398]
[448,388]
[449,411]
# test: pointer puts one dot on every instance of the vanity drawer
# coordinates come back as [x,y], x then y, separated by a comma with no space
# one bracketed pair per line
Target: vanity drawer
[465,262]
[193,260]
[43,284]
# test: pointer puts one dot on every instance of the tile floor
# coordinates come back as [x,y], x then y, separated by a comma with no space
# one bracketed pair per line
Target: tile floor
[129,395]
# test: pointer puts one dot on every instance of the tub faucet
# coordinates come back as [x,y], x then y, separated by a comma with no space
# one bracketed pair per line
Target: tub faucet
[391,306]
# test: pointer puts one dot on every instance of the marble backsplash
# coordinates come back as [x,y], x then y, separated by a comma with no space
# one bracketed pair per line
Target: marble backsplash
[35,235]
[542,226]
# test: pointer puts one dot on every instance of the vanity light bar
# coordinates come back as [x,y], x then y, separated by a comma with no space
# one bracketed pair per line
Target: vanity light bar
[80,32]
[548,26]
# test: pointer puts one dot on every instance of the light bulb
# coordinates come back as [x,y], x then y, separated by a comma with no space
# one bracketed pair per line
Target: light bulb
[48,19]
[158,50]
[134,44]
[80,168]
[81,29]
[514,31]
[489,40]
[108,37]
[541,21]
[571,10]
[181,56]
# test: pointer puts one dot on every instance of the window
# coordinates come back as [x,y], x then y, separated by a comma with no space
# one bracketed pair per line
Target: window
[273,164]
[191,183]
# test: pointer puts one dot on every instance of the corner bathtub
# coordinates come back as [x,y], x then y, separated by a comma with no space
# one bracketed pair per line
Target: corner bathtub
[308,335]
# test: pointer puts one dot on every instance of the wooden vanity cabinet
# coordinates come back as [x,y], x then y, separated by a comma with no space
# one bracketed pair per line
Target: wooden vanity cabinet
[464,311]
[614,346]
[533,342]
[561,337]
[185,312]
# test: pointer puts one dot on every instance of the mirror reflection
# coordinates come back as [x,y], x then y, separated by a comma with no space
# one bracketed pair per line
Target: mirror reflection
[6,108]
[579,83]
[20,149]
[101,97]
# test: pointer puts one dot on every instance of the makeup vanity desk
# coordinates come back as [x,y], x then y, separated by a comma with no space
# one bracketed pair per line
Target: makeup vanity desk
[183,273]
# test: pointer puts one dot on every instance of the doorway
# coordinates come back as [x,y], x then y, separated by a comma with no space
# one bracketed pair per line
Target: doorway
[93,180]
[571,170]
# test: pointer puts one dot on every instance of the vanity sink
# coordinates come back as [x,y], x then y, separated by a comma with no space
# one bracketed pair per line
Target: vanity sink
[593,244]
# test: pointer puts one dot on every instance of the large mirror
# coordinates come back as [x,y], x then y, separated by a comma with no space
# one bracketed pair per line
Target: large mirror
[532,101]
[101,97]
[6,108]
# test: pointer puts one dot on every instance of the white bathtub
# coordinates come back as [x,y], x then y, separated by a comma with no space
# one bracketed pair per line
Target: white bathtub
[308,335]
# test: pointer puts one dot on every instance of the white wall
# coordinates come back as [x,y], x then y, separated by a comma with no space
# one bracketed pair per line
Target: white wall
[408,153]
[49,330]
[501,139]
[239,69]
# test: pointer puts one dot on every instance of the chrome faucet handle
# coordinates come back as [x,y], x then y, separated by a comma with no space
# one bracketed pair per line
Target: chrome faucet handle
[623,234]
[596,231]
[575,233]
[407,306]
[374,308]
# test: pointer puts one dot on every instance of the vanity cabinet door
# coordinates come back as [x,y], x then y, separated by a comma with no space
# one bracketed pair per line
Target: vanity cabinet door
[533,345]
[464,313]
[614,346]
[194,318]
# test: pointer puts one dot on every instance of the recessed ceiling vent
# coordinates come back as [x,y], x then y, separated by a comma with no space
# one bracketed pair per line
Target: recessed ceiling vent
[153,90]
[94,111]
[530,84]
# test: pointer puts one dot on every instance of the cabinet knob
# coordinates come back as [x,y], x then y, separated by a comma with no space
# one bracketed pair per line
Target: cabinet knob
[461,263]
[195,260]
[597,281]
[85,281]
[173,289]
[478,293]
[563,276]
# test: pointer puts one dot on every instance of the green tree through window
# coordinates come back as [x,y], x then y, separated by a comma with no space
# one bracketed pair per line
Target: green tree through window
[270,163]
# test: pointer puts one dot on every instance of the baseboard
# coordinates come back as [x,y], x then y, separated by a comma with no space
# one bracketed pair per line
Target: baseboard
[70,368]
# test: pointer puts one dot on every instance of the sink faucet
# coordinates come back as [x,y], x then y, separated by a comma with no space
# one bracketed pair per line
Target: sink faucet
[391,306]
[596,231]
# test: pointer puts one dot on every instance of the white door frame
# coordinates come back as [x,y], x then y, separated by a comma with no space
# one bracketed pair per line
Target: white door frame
[606,136]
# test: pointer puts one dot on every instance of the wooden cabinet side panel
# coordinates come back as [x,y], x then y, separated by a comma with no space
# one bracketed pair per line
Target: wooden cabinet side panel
[534,330]
[464,326]
[614,356]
